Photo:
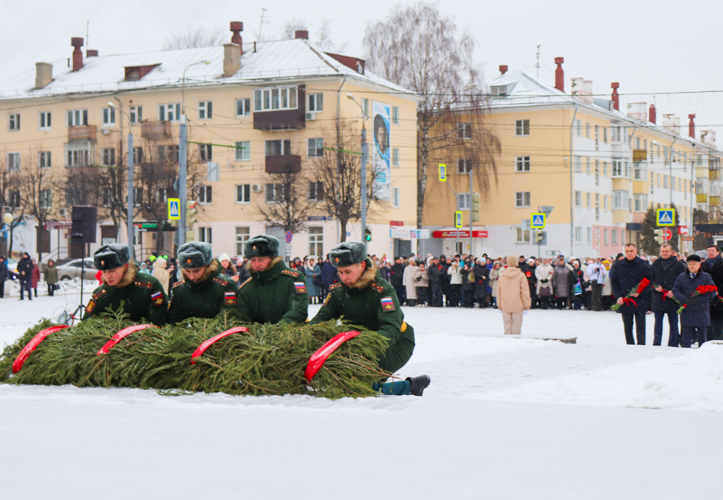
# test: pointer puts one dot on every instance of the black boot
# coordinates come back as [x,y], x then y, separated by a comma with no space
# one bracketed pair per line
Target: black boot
[418,384]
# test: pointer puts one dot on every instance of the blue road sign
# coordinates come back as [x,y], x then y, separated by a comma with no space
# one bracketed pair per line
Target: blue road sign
[537,221]
[665,217]
[174,209]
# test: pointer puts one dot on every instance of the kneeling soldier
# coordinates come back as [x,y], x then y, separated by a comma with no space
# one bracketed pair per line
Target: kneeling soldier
[204,290]
[139,295]
[365,299]
[274,293]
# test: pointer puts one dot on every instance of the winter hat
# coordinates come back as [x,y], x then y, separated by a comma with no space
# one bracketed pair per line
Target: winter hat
[224,256]
[512,261]
[694,258]
[262,245]
[348,253]
[160,262]
[111,256]
[195,254]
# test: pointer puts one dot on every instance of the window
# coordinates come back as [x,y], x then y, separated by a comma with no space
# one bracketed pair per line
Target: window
[578,234]
[243,108]
[395,115]
[109,157]
[316,191]
[137,196]
[587,161]
[13,122]
[522,199]
[205,110]
[243,234]
[639,171]
[274,193]
[205,194]
[522,128]
[637,143]
[14,199]
[618,170]
[614,236]
[136,114]
[106,195]
[621,200]
[665,181]
[46,198]
[243,195]
[13,161]
[589,235]
[316,241]
[316,103]
[578,164]
[44,159]
[278,148]
[658,183]
[76,196]
[169,112]
[605,202]
[464,131]
[396,195]
[243,150]
[464,166]
[522,235]
[205,234]
[205,152]
[605,236]
[577,127]
[44,118]
[79,153]
[365,106]
[271,99]
[463,201]
[137,155]
[77,117]
[109,116]
[587,130]
[522,164]
[605,135]
[578,198]
[168,153]
[605,169]
[597,172]
[617,133]
[587,195]
[315,147]
[395,157]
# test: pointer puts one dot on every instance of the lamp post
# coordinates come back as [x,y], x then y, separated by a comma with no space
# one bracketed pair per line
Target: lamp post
[363,171]
[131,191]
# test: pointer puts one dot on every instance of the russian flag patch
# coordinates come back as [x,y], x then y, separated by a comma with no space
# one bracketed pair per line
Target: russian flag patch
[229,298]
[157,298]
[300,287]
[387,304]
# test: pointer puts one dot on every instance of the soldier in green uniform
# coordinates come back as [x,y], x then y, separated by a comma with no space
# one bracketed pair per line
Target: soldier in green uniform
[274,293]
[204,290]
[363,298]
[140,295]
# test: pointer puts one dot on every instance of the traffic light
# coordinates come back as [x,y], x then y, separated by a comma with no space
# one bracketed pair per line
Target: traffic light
[475,207]
[539,236]
[191,213]
[659,236]
[367,235]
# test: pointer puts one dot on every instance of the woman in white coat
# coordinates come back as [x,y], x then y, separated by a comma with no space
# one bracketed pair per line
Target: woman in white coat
[543,273]
[410,283]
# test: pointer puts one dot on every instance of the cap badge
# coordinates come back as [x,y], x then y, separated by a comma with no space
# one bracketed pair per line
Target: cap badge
[102,262]
[188,261]
[253,247]
[337,259]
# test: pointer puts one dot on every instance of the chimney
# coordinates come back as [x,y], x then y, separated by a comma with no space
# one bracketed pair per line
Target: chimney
[651,113]
[231,59]
[237,27]
[616,98]
[301,34]
[691,126]
[503,68]
[77,53]
[559,74]
[43,74]
[671,122]
[91,53]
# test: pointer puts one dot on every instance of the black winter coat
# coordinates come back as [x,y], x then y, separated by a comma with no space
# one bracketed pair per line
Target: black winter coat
[329,275]
[716,306]
[626,276]
[3,271]
[482,277]
[468,285]
[26,265]
[435,274]
[444,278]
[665,272]
[697,312]
[396,276]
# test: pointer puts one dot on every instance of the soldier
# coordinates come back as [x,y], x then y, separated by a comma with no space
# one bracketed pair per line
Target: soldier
[140,295]
[363,298]
[204,290]
[274,293]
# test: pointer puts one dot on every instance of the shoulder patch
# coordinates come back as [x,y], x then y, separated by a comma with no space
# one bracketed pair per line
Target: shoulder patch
[220,281]
[388,304]
[229,298]
[142,284]
[291,272]
[244,283]
[378,288]
[334,286]
[300,286]
[157,298]
[102,291]
[179,283]
[328,298]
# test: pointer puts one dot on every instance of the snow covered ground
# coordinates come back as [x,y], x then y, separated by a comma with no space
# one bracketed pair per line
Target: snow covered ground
[504,418]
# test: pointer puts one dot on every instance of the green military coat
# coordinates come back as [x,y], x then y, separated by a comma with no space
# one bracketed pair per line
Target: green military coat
[214,293]
[277,295]
[372,302]
[140,295]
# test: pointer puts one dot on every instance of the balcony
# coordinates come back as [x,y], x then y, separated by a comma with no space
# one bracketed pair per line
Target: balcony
[701,198]
[640,155]
[714,175]
[156,129]
[82,133]
[283,164]
[714,201]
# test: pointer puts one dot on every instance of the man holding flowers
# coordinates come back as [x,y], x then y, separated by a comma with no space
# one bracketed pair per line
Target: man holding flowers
[629,279]
[694,289]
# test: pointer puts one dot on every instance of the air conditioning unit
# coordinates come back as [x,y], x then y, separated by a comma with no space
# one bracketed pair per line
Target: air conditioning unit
[310,116]
[105,130]
[256,188]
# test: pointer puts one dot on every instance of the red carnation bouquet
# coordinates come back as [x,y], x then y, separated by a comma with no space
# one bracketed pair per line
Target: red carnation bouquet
[627,300]
[665,293]
[701,290]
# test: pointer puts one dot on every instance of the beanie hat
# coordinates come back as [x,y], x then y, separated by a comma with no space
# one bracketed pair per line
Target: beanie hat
[111,256]
[348,253]
[224,256]
[195,254]
[262,245]
[512,261]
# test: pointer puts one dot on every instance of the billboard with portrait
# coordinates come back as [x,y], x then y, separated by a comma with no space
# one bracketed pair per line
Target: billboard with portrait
[380,151]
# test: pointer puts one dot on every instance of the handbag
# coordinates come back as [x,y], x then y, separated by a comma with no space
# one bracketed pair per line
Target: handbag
[56,286]
[316,280]
[544,291]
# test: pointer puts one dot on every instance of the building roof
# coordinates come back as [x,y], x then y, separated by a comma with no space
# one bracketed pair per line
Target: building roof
[274,60]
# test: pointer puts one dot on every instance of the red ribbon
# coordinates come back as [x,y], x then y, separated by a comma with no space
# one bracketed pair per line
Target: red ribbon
[208,343]
[317,360]
[120,336]
[627,301]
[35,342]
[665,293]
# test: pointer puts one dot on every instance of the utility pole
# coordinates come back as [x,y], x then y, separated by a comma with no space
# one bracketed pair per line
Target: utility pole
[363,171]
[538,61]
[182,174]
[471,201]
[131,195]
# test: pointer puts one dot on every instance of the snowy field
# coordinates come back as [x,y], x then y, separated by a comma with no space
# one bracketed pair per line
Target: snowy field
[504,418]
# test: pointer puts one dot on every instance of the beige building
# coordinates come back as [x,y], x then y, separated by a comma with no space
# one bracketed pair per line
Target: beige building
[250,107]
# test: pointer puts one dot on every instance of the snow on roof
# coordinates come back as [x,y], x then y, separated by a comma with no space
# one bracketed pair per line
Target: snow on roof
[273,60]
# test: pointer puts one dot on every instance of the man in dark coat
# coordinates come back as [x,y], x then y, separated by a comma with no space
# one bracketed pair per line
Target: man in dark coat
[444,280]
[695,318]
[665,271]
[329,276]
[396,278]
[435,272]
[481,277]
[713,258]
[627,275]
[715,332]
[3,275]
[25,275]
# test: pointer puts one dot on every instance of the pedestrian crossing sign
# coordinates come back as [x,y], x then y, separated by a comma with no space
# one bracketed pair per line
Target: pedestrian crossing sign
[174,209]
[665,217]
[458,219]
[442,172]
[538,221]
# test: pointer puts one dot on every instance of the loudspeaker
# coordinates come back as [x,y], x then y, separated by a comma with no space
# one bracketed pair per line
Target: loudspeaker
[84,222]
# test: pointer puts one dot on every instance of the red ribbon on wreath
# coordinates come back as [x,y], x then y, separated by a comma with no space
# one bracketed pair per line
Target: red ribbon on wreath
[317,360]
[33,344]
[208,343]
[120,336]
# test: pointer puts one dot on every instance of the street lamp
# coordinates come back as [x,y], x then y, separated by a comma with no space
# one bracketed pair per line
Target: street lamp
[131,193]
[363,170]
[8,218]
[183,84]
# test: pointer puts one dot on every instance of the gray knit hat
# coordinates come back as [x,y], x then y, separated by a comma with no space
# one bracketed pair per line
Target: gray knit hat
[111,256]
[195,254]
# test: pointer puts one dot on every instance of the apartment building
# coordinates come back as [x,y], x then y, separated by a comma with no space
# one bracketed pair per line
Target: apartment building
[253,110]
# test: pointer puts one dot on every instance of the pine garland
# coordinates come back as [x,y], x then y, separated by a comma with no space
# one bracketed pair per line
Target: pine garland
[268,360]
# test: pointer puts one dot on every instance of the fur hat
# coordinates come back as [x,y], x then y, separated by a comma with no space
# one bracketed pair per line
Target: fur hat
[348,253]
[195,254]
[111,256]
[262,245]
[512,261]
[693,258]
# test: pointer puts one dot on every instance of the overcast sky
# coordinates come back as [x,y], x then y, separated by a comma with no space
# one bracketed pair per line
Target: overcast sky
[649,47]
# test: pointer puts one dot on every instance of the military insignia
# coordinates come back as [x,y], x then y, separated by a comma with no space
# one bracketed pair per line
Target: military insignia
[327,299]
[244,283]
[102,262]
[377,288]
[143,285]
[334,286]
[220,281]
[178,283]
[290,272]
[387,304]
[300,287]
[229,298]
[99,294]
[336,259]
[91,305]
[188,261]
[157,299]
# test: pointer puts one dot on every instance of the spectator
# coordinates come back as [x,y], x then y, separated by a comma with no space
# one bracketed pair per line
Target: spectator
[578,285]
[561,283]
[384,269]
[422,279]
[396,278]
[513,296]
[532,281]
[625,277]
[444,279]
[695,318]
[51,276]
[713,257]
[543,273]
[25,275]
[715,332]
[481,276]
[434,271]
[35,277]
[455,283]
[596,274]
[494,278]
[161,273]
[468,284]
[328,276]
[172,269]
[3,276]
[313,280]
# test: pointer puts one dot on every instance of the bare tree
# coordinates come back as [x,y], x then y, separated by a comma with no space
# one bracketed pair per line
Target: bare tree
[287,203]
[11,202]
[420,49]
[202,36]
[322,36]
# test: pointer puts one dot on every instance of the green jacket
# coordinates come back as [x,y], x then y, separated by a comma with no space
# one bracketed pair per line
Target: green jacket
[215,292]
[372,303]
[51,274]
[277,295]
[140,295]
